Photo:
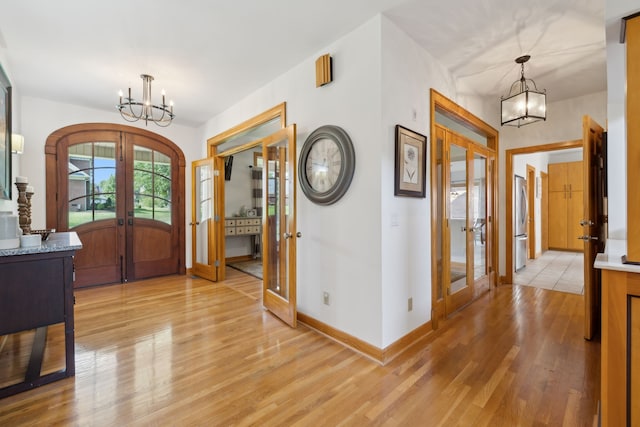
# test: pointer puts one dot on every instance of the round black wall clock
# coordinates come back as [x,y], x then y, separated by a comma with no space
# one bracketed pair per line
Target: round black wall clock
[326,165]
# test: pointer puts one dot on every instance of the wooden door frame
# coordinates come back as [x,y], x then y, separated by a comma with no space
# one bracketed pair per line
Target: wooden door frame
[544,212]
[531,211]
[442,104]
[509,177]
[213,144]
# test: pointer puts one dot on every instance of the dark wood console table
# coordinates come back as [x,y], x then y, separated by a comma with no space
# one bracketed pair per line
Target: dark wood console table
[36,290]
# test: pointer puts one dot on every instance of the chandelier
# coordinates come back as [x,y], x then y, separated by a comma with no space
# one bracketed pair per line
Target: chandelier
[132,110]
[524,104]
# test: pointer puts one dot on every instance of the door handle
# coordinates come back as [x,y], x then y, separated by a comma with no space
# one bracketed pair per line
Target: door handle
[287,235]
[130,221]
[588,238]
[120,221]
[584,222]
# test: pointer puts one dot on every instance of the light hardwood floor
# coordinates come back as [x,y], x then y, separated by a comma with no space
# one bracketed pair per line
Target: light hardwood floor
[184,351]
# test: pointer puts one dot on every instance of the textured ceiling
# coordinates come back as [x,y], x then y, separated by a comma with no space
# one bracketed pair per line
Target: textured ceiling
[209,54]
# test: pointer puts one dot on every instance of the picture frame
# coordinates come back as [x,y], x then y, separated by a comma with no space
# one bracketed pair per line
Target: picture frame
[410,164]
[5,136]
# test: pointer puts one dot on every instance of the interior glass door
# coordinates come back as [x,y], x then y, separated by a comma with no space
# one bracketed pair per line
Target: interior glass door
[279,233]
[459,284]
[479,217]
[202,225]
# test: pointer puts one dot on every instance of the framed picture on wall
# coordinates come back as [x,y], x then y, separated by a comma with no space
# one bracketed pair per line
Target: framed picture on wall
[5,136]
[411,159]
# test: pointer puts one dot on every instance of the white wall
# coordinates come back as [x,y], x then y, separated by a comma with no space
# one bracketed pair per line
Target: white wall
[617,132]
[340,248]
[41,117]
[408,73]
[11,205]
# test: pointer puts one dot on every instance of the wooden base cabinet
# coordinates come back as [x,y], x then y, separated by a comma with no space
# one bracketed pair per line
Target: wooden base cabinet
[620,371]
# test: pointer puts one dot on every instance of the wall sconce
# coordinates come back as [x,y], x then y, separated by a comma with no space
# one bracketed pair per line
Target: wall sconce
[17,143]
[324,70]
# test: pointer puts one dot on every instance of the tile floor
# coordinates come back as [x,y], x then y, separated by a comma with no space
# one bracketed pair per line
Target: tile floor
[556,270]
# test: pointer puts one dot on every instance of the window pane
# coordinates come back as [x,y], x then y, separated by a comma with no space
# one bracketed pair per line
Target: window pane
[152,184]
[91,182]
[162,211]
[145,207]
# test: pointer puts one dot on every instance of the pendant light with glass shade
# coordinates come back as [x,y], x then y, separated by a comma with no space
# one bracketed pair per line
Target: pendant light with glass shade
[524,104]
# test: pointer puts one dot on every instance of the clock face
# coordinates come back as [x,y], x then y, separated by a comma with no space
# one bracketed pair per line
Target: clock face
[324,164]
[327,162]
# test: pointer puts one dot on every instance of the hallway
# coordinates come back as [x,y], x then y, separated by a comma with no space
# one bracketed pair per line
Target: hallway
[185,351]
[554,270]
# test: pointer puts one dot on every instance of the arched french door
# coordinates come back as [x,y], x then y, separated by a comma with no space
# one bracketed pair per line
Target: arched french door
[121,189]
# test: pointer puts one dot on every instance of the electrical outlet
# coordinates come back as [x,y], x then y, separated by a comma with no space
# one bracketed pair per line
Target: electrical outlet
[410,304]
[325,298]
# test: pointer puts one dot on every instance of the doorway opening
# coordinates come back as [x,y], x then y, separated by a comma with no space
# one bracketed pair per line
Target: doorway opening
[532,162]
[244,198]
[266,215]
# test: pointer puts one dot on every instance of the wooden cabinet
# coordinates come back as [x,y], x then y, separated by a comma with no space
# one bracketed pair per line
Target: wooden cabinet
[248,227]
[242,226]
[37,291]
[633,135]
[566,205]
[620,372]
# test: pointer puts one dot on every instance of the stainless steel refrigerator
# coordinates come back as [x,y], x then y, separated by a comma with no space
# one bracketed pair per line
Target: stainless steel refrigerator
[521,216]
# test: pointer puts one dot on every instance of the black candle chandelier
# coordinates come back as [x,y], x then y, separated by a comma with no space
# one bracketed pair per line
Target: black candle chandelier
[132,110]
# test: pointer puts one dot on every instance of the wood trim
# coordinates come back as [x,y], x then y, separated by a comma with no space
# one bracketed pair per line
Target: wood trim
[459,114]
[563,145]
[544,212]
[219,243]
[393,350]
[382,356]
[633,138]
[279,110]
[343,338]
[531,196]
[238,258]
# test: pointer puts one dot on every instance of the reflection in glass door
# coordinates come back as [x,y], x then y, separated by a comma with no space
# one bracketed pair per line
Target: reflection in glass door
[279,255]
[202,225]
[466,223]
[458,219]
[479,216]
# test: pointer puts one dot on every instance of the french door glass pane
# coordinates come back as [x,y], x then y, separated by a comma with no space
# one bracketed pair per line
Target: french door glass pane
[458,218]
[204,212]
[479,216]
[151,184]
[439,203]
[92,182]
[278,209]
